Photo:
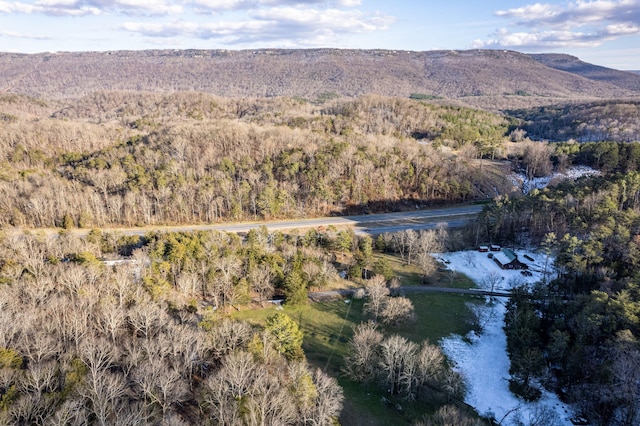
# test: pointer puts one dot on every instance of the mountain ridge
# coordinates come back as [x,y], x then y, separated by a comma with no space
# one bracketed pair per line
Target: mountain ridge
[478,78]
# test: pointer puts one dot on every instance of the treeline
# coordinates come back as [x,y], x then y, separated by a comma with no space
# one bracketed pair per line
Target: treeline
[578,334]
[610,156]
[197,159]
[541,158]
[592,122]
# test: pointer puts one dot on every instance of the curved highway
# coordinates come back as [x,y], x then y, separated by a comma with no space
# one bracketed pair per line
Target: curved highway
[372,224]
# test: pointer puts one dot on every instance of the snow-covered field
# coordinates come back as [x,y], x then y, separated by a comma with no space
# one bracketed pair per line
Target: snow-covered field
[482,359]
[527,185]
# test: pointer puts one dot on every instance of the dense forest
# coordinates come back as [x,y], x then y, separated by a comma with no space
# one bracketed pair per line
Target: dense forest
[134,159]
[122,159]
[85,343]
[613,121]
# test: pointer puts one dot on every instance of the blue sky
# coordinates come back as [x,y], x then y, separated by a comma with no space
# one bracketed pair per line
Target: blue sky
[603,32]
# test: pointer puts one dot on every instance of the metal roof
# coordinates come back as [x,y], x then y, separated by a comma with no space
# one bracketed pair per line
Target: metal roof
[510,254]
[502,258]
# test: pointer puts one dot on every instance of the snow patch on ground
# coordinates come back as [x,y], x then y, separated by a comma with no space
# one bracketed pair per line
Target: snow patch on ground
[527,185]
[482,359]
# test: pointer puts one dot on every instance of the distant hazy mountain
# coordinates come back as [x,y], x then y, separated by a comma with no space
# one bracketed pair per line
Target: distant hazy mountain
[485,78]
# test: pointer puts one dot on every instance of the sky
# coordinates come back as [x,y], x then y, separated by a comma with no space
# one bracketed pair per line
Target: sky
[602,32]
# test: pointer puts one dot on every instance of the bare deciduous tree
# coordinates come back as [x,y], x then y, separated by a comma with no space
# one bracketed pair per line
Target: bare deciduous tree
[39,347]
[228,268]
[40,378]
[626,371]
[229,336]
[377,292]
[450,415]
[31,408]
[429,364]
[220,403]
[261,278]
[427,264]
[492,280]
[452,384]
[397,310]
[161,385]
[104,391]
[71,412]
[123,283]
[270,402]
[188,283]
[98,355]
[111,321]
[397,356]
[328,404]
[536,158]
[361,361]
[147,319]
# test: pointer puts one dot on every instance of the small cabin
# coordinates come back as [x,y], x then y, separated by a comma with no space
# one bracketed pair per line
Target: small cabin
[495,247]
[507,259]
[483,249]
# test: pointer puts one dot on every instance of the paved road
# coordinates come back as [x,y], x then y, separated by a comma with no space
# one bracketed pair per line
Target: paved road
[372,224]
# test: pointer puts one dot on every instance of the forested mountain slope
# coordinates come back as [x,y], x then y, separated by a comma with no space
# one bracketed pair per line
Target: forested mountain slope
[483,78]
[125,158]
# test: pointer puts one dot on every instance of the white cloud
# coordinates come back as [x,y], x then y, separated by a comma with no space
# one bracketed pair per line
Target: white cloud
[583,23]
[13,34]
[156,7]
[149,6]
[576,13]
[291,23]
[623,29]
[290,26]
[160,29]
[92,7]
[203,6]
[15,7]
[538,40]
[214,6]
[536,11]
[328,19]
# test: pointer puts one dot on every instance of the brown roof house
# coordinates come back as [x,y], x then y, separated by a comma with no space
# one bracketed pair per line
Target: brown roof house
[507,259]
